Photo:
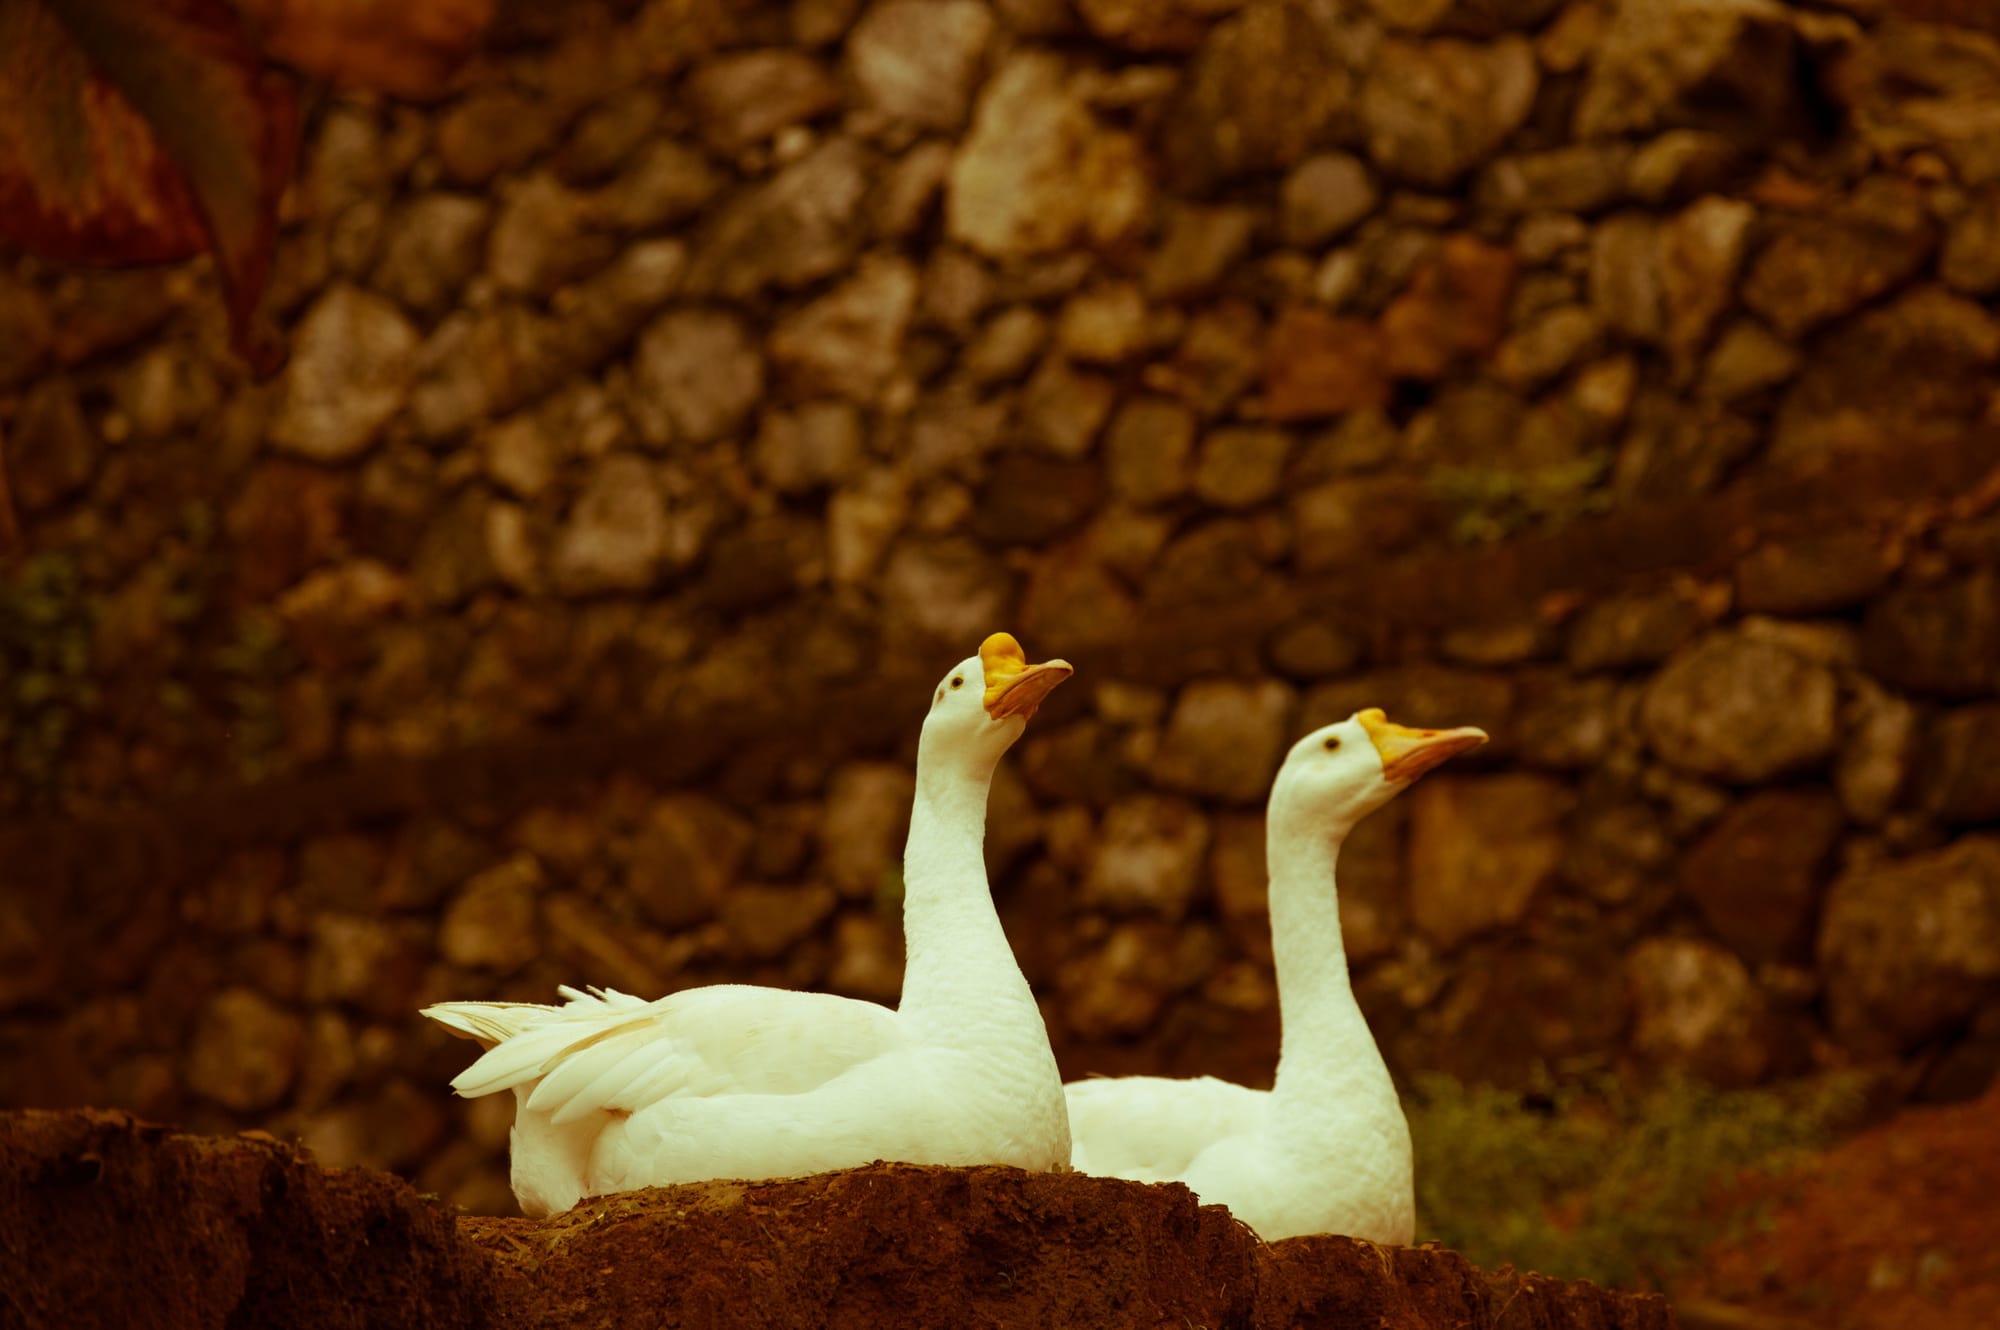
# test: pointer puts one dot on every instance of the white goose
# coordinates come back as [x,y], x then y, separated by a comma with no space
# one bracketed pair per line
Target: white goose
[734,1081]
[1326,1150]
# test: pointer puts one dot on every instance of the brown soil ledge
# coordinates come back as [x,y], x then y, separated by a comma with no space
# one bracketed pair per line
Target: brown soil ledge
[108,1221]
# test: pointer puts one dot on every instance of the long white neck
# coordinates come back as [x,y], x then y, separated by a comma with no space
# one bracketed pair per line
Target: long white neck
[960,973]
[1328,1063]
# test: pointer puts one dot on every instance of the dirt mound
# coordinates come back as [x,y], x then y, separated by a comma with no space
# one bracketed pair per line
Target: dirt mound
[105,1221]
[1894,1229]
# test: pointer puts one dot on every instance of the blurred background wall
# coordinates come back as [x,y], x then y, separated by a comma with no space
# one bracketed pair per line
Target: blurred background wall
[673,402]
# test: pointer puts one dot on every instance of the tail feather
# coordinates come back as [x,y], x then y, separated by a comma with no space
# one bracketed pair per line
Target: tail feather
[489,1023]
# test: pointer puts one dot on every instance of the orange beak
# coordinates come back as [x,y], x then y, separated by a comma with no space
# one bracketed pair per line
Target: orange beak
[1406,753]
[1013,686]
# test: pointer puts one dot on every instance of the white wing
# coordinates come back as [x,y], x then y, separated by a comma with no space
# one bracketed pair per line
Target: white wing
[1152,1127]
[609,1052]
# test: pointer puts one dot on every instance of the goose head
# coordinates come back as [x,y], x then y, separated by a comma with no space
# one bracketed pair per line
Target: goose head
[983,703]
[1340,773]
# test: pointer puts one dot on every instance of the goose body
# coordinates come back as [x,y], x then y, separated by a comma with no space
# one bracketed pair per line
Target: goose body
[1327,1148]
[614,1092]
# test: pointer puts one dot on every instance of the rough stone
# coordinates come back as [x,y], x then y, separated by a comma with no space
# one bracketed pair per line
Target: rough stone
[1037,172]
[1224,739]
[1317,365]
[1571,724]
[1929,83]
[867,820]
[1003,350]
[1455,307]
[51,451]
[666,182]
[1942,640]
[1694,1005]
[451,560]
[26,332]
[920,61]
[1701,250]
[1323,197]
[1147,450]
[433,249]
[1970,263]
[1481,848]
[1200,246]
[700,370]
[1217,360]
[1103,324]
[1241,465]
[546,235]
[1879,733]
[867,958]
[1632,629]
[490,923]
[1149,856]
[1747,358]
[1821,265]
[606,137]
[1911,948]
[493,129]
[245,1052]
[1628,276]
[805,223]
[849,341]
[1575,178]
[617,533]
[1152,25]
[1358,518]
[1259,93]
[371,964]
[1119,988]
[1313,649]
[681,860]
[816,445]
[1755,874]
[1703,64]
[1897,375]
[1433,110]
[1812,574]
[765,922]
[1740,709]
[349,372]
[1963,768]
[1030,499]
[1064,408]
[1548,346]
[745,98]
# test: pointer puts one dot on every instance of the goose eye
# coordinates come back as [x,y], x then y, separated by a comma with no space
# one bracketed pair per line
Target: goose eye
[1332,743]
[958,682]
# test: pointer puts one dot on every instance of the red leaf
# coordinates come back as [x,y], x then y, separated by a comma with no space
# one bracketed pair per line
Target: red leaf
[405,47]
[137,131]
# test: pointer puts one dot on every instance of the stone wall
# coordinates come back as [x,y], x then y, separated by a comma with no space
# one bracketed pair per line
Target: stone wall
[670,403]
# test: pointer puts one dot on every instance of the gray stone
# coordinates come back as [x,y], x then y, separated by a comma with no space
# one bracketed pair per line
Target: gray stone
[607,136]
[817,445]
[805,223]
[746,97]
[1148,448]
[1747,358]
[1064,408]
[26,331]
[1152,25]
[1821,265]
[1030,499]
[699,370]
[1910,949]
[493,129]
[1434,110]
[1037,172]
[1149,856]
[51,450]
[349,372]
[490,923]
[867,819]
[1971,259]
[371,964]
[545,236]
[616,534]
[867,958]
[1755,874]
[1701,250]
[849,341]
[1011,341]
[245,1052]
[1572,724]
[1879,734]
[1200,246]
[433,249]
[950,587]
[1119,988]
[685,855]
[1628,276]
[1548,345]
[905,199]
[1695,1006]
[1323,197]
[451,560]
[1261,91]
[1103,324]
[1703,64]
[1812,574]
[1241,465]
[1740,709]
[1481,849]
[1897,375]
[1633,629]
[1313,649]
[1224,739]
[920,60]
